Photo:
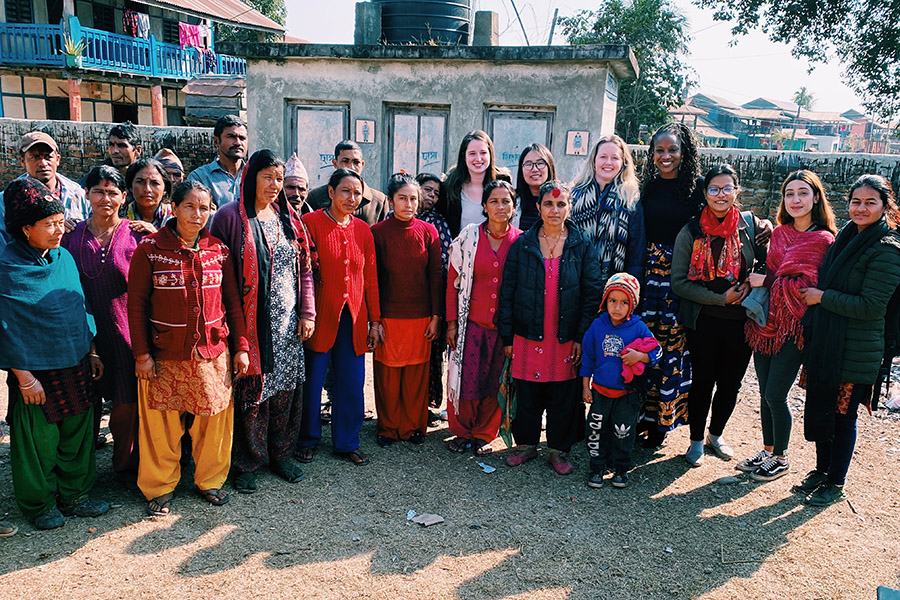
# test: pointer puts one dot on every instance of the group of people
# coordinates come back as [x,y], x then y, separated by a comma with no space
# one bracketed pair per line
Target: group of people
[211,311]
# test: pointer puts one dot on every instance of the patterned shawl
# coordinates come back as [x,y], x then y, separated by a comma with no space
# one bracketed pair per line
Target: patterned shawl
[462,258]
[794,258]
[703,267]
[602,216]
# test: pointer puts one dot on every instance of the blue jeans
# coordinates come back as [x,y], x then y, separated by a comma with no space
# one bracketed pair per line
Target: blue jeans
[347,407]
[833,458]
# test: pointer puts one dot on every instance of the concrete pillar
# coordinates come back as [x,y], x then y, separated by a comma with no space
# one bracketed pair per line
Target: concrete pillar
[74,99]
[487,28]
[368,24]
[156,106]
[68,8]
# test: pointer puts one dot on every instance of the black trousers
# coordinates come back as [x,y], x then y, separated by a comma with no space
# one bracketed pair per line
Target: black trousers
[610,430]
[565,413]
[719,358]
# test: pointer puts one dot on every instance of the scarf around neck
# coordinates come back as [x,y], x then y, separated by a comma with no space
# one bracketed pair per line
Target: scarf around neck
[703,267]
[602,216]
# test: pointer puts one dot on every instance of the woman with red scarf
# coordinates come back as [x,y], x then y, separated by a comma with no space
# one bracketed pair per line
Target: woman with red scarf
[713,255]
[273,269]
[805,231]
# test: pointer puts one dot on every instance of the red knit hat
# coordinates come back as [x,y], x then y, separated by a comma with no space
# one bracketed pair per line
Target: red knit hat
[626,283]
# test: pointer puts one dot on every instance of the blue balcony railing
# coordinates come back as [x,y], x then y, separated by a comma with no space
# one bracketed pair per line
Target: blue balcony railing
[42,45]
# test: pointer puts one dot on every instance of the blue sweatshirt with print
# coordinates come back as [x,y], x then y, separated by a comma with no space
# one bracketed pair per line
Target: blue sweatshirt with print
[602,349]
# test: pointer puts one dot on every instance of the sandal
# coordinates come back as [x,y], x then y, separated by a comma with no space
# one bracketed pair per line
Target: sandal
[287,470]
[159,507]
[355,456]
[520,455]
[482,448]
[214,496]
[245,483]
[305,454]
[7,529]
[459,445]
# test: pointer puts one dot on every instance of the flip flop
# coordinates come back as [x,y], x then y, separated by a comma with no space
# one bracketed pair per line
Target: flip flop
[355,456]
[305,454]
[458,445]
[245,483]
[159,507]
[214,496]
[7,529]
[483,449]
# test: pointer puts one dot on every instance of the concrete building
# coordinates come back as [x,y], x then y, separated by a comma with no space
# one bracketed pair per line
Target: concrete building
[410,105]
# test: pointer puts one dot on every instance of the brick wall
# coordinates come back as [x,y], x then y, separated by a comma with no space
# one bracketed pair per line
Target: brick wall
[83,145]
[763,171]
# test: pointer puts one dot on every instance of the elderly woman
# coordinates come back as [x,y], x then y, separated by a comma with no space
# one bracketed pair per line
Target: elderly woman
[271,263]
[408,253]
[432,190]
[550,294]
[606,206]
[150,189]
[102,248]
[845,341]
[348,315]
[477,258]
[46,342]
[184,310]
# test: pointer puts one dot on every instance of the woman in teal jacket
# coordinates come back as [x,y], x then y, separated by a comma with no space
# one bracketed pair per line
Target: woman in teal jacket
[845,332]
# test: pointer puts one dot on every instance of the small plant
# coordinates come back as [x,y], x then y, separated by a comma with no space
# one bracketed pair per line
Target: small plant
[72,48]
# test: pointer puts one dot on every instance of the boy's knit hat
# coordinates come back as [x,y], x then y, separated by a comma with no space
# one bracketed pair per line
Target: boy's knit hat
[624,283]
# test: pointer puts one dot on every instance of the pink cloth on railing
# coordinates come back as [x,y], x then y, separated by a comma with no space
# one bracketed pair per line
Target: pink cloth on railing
[188,35]
[641,345]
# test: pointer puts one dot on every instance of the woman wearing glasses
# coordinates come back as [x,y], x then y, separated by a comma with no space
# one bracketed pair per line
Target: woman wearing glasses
[536,167]
[713,256]
[605,205]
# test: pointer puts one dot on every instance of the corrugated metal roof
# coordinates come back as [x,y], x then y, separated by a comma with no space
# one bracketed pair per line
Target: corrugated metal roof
[233,12]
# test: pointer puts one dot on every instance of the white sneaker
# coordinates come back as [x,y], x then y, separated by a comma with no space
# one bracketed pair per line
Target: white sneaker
[720,448]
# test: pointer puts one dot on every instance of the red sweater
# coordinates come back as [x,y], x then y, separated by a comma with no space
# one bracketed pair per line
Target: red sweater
[348,277]
[409,268]
[180,299]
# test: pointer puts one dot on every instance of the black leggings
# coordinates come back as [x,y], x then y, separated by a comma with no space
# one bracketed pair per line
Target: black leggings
[719,358]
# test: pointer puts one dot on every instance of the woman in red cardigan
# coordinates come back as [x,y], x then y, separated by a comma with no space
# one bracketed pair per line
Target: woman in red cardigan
[347,319]
[183,310]
[410,277]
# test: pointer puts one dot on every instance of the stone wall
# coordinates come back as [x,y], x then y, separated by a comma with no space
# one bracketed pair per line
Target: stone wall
[83,145]
[763,171]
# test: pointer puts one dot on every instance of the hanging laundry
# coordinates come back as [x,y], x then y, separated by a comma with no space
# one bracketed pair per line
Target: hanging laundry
[188,35]
[130,23]
[209,61]
[143,26]
[204,35]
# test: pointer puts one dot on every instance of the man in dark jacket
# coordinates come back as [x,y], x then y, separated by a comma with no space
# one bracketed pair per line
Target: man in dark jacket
[374,205]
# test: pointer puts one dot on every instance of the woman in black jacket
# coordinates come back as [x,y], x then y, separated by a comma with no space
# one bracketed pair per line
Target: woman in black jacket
[550,293]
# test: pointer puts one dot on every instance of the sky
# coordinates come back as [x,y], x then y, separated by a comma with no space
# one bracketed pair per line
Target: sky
[753,67]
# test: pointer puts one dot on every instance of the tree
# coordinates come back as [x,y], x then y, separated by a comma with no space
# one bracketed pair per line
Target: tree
[803,99]
[657,34]
[864,36]
[274,9]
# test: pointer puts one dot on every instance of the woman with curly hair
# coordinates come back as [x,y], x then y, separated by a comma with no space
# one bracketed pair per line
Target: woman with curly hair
[671,195]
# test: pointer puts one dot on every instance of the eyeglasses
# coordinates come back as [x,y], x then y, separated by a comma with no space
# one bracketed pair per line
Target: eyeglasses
[727,190]
[538,164]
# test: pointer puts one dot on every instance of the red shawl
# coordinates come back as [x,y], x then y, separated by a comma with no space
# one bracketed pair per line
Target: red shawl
[703,267]
[794,259]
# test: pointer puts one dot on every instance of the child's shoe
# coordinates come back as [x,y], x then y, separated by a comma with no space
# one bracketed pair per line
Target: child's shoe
[520,455]
[559,462]
[620,480]
[595,480]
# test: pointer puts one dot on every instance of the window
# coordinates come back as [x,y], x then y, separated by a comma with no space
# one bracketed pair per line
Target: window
[18,11]
[417,140]
[511,130]
[57,109]
[315,129]
[124,112]
[104,18]
[174,116]
[170,31]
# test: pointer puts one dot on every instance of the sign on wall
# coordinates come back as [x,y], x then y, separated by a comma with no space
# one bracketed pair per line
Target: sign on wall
[577,143]
[513,130]
[365,131]
[315,130]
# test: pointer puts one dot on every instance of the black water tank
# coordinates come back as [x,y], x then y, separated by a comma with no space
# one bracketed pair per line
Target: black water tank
[423,21]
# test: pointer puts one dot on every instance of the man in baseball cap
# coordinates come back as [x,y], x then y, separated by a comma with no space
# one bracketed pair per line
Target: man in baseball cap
[40,158]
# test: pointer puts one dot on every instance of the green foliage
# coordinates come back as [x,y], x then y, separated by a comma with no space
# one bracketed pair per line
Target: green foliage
[803,98]
[274,9]
[657,34]
[863,35]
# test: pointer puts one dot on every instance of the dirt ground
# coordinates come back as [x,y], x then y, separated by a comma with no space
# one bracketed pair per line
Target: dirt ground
[675,532]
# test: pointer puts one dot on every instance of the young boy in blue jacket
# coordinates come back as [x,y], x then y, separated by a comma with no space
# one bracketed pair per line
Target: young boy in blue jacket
[616,348]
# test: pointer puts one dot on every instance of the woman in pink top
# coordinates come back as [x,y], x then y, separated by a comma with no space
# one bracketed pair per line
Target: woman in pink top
[477,257]
[550,294]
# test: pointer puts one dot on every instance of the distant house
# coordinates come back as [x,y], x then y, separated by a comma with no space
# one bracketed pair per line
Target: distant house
[114,60]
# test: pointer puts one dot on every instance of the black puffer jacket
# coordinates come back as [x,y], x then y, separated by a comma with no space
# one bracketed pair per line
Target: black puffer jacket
[521,307]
